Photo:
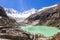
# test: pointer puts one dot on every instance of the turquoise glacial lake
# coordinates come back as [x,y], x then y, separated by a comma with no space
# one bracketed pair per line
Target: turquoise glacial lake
[46,31]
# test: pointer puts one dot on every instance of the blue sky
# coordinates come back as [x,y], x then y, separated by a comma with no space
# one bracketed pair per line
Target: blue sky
[24,5]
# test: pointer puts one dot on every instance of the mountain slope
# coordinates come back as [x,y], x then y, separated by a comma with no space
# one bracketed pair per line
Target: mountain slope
[49,16]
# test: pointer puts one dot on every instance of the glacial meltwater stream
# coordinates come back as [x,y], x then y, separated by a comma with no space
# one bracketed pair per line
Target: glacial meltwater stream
[47,31]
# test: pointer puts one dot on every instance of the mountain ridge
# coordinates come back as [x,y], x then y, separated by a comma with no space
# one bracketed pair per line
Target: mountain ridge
[23,15]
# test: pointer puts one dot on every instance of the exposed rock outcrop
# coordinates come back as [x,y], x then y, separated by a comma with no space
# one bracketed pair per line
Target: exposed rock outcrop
[2,12]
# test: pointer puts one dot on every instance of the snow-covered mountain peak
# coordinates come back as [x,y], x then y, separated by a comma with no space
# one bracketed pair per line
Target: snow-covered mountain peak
[15,13]
[23,15]
[31,11]
[19,15]
[11,11]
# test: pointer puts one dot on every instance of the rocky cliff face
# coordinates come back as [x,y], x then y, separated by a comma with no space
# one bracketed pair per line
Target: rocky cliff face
[49,16]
